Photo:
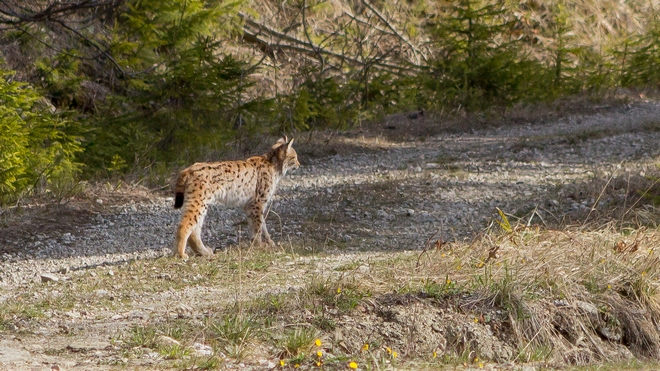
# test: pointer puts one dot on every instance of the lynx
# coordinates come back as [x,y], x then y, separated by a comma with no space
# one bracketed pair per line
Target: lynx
[249,184]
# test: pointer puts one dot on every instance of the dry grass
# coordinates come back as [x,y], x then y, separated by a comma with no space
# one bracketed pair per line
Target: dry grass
[570,296]
[573,296]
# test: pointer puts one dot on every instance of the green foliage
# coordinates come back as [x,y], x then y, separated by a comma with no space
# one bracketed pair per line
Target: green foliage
[37,147]
[320,103]
[641,58]
[478,62]
[61,78]
[504,223]
[302,110]
[170,92]
[234,334]
[179,92]
[560,33]
[440,290]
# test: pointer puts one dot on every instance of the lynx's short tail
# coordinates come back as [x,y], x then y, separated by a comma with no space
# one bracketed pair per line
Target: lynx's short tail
[179,189]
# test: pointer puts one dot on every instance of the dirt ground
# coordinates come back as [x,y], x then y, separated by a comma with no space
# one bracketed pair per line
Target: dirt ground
[78,279]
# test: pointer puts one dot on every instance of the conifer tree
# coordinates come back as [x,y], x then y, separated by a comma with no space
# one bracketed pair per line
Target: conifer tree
[36,149]
[478,62]
[180,87]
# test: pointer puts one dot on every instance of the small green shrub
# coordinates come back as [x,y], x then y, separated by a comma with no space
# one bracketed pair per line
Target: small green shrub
[641,58]
[478,62]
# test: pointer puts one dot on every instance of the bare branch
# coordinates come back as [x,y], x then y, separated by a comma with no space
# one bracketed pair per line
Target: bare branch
[304,47]
[103,52]
[359,20]
[13,14]
[389,25]
[309,39]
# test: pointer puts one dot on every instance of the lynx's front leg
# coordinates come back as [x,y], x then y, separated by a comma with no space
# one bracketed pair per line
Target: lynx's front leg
[257,222]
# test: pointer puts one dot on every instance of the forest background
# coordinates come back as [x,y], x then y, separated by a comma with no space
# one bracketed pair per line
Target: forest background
[104,88]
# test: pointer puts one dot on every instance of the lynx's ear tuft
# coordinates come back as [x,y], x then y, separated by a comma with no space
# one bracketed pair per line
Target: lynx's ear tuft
[289,143]
[280,141]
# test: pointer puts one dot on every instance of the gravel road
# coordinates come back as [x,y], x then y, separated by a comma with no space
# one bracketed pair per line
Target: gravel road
[374,193]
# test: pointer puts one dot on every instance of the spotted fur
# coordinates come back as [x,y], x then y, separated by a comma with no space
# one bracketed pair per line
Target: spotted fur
[249,184]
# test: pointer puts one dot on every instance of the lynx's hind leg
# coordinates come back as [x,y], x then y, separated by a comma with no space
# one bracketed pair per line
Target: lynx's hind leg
[193,215]
[183,232]
[195,239]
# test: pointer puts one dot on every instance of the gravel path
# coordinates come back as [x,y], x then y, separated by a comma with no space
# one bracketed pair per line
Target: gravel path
[378,194]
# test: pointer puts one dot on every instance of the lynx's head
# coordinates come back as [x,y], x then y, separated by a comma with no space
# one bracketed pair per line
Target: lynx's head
[284,156]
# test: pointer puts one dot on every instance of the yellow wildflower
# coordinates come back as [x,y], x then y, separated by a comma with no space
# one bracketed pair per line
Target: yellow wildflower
[394,354]
[476,320]
[435,354]
[481,365]
[318,364]
[296,366]
[365,347]
[609,287]
[442,256]
[319,353]
[338,290]
[448,281]
[318,342]
[352,365]
[389,351]
[282,363]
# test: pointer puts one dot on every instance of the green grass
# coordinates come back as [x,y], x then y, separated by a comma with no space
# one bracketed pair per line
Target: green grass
[298,341]
[141,336]
[342,294]
[175,352]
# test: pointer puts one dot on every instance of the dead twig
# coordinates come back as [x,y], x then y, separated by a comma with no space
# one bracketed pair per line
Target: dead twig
[438,244]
